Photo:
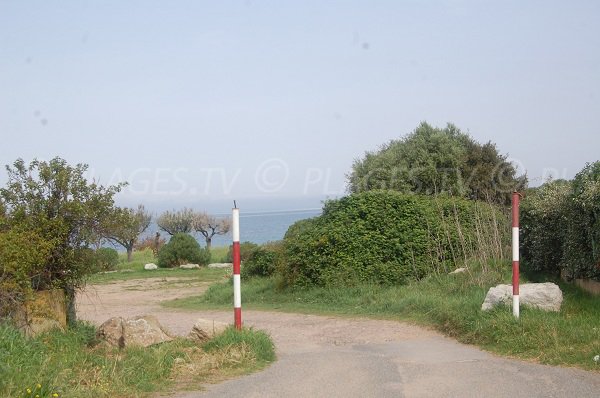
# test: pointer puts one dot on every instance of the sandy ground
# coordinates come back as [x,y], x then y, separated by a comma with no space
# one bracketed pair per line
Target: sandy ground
[320,356]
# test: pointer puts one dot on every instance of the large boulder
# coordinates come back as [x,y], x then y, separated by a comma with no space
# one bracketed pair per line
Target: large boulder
[45,311]
[150,266]
[545,296]
[137,331]
[205,329]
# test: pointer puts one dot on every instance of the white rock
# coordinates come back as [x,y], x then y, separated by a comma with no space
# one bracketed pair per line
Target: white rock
[545,296]
[458,271]
[189,266]
[150,266]
[220,265]
[205,329]
[137,331]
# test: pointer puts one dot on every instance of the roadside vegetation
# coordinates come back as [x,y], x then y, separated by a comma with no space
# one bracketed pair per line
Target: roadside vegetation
[75,364]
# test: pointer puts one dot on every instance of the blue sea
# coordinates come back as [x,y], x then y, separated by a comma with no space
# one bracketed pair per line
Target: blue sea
[257,227]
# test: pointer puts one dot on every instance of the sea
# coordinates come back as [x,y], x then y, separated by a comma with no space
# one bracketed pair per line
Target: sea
[257,227]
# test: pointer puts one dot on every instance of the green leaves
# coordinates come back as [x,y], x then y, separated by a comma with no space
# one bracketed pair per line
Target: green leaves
[62,213]
[387,237]
[433,161]
[561,225]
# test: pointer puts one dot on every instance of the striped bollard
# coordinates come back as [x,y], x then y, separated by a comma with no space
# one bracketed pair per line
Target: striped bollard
[515,253]
[237,293]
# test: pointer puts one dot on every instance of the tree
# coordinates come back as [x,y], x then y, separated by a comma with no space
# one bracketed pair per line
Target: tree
[209,226]
[126,225]
[66,211]
[180,221]
[434,161]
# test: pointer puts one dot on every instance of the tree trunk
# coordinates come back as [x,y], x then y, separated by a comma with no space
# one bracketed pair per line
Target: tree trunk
[208,243]
[71,310]
[129,253]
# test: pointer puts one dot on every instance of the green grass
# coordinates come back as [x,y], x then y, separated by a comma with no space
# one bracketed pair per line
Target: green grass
[449,303]
[135,269]
[72,364]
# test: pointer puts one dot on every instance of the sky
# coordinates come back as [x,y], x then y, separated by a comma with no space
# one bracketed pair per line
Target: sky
[199,103]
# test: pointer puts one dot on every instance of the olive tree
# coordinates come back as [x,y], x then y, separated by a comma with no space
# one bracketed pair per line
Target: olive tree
[126,225]
[177,221]
[209,226]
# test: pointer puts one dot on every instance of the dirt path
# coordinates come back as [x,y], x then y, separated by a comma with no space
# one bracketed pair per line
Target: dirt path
[322,356]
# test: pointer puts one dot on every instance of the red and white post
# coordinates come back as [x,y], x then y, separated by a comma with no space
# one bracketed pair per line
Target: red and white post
[515,253]
[237,293]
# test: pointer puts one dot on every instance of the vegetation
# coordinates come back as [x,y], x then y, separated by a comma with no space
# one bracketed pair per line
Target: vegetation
[73,364]
[135,270]
[449,303]
[125,225]
[52,205]
[246,250]
[177,222]
[561,226]
[209,226]
[387,237]
[107,258]
[182,249]
[188,221]
[262,260]
[432,161]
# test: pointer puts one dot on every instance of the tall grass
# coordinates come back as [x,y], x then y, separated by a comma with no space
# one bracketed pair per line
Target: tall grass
[72,364]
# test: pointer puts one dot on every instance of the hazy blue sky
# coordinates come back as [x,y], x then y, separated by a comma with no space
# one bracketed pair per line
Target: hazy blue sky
[201,102]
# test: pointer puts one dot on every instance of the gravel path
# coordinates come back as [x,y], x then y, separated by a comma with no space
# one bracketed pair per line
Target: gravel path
[320,356]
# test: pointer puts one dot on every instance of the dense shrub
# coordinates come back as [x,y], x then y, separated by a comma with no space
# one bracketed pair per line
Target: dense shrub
[432,161]
[182,249]
[106,258]
[561,226]
[262,260]
[390,238]
[543,212]
[22,255]
[246,250]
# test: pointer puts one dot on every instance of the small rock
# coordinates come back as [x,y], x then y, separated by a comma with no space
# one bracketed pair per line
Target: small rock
[189,266]
[220,265]
[545,296]
[458,271]
[137,331]
[205,329]
[150,266]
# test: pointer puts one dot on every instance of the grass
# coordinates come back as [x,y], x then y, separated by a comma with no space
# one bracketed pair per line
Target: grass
[135,269]
[72,363]
[448,303]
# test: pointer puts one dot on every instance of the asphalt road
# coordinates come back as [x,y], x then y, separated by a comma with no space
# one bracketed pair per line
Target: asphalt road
[332,357]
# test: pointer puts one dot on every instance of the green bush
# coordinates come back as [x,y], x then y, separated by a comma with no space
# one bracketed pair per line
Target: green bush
[542,222]
[262,260]
[246,250]
[22,253]
[387,237]
[106,258]
[560,224]
[182,249]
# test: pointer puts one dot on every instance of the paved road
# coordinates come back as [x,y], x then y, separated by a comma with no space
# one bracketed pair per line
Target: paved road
[331,357]
[322,356]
